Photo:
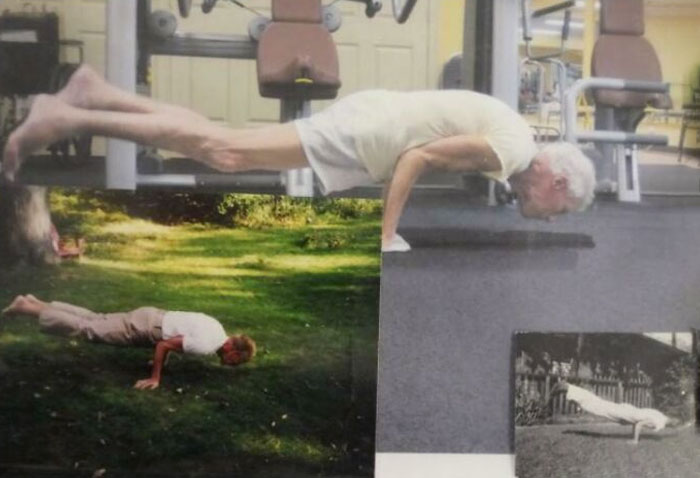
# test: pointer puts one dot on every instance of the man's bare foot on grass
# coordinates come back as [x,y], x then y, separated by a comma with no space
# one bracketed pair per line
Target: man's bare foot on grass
[49,120]
[18,306]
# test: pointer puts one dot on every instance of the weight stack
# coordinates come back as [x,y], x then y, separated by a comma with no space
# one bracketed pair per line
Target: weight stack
[29,46]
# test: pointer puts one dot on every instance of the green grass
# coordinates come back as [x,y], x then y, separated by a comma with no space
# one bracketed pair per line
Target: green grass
[602,450]
[309,297]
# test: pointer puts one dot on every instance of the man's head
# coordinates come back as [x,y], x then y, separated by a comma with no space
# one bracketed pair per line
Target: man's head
[237,350]
[560,179]
[559,388]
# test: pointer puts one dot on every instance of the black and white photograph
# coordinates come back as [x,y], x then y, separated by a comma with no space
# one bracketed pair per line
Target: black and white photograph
[607,404]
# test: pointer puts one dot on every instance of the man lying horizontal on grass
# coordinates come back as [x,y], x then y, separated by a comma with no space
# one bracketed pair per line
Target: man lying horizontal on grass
[169,331]
[623,413]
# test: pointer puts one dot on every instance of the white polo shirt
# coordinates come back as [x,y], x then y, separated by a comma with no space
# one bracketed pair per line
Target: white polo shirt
[358,140]
[201,334]
[619,412]
[405,120]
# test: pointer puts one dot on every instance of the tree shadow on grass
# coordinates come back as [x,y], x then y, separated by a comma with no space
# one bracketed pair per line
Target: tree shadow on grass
[616,436]
[77,398]
[302,404]
[79,402]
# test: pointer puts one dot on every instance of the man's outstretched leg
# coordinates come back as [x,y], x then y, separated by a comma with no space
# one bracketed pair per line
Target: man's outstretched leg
[51,119]
[141,326]
[55,320]
[87,89]
[23,305]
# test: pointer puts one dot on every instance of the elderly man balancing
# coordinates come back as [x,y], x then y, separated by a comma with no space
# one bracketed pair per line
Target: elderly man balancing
[169,331]
[369,137]
[623,413]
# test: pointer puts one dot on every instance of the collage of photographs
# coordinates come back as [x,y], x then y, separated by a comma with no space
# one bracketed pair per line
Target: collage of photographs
[349,238]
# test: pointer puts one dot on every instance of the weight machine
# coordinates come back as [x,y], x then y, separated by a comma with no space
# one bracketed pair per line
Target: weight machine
[627,79]
[538,62]
[296,62]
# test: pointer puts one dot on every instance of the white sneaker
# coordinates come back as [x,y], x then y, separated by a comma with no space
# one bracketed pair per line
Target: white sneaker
[397,244]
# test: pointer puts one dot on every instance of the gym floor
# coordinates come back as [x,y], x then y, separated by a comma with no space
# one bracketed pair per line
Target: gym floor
[477,274]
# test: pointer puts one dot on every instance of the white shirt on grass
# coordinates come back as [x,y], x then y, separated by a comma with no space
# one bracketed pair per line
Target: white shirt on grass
[201,334]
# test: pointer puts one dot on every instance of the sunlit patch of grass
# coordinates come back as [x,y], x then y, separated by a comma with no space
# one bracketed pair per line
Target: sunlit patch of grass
[136,227]
[304,301]
[284,447]
[200,267]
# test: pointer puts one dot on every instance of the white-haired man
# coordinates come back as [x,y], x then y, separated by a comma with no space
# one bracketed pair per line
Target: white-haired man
[623,413]
[374,136]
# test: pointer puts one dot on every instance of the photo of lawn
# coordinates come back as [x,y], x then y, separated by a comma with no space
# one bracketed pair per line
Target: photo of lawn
[602,450]
[306,290]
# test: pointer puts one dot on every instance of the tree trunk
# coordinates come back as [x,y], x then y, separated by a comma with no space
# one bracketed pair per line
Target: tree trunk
[25,226]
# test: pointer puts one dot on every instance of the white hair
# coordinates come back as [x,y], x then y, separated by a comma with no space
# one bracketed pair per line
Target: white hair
[569,161]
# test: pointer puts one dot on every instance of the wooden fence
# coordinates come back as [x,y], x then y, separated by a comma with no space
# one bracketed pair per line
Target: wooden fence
[636,392]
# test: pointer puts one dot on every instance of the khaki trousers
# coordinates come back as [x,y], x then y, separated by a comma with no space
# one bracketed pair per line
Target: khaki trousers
[141,327]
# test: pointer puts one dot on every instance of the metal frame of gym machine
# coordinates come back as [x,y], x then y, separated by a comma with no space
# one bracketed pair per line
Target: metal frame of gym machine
[122,59]
[491,32]
[623,144]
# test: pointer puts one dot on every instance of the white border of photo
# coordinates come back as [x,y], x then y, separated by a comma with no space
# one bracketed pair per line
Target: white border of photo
[444,465]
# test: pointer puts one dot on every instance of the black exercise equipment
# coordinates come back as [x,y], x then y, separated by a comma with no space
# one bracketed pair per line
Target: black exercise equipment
[162,24]
[28,52]
[403,9]
[208,5]
[184,6]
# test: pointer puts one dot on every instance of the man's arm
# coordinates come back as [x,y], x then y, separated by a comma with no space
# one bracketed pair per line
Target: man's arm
[461,153]
[163,348]
[636,431]
[454,153]
[409,167]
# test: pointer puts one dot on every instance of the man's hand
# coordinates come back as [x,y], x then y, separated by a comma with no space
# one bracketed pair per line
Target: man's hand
[409,167]
[163,348]
[147,384]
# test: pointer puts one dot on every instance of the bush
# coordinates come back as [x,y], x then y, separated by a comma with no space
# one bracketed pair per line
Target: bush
[530,408]
[348,208]
[675,394]
[324,240]
[76,213]
[248,210]
[259,210]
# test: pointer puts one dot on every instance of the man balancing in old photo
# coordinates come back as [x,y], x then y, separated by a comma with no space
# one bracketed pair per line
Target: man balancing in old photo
[366,138]
[168,331]
[623,413]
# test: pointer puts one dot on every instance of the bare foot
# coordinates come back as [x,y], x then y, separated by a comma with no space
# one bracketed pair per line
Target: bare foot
[33,299]
[49,120]
[83,87]
[88,89]
[16,307]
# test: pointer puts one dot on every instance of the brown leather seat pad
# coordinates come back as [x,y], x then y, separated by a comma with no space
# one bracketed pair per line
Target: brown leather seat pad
[627,58]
